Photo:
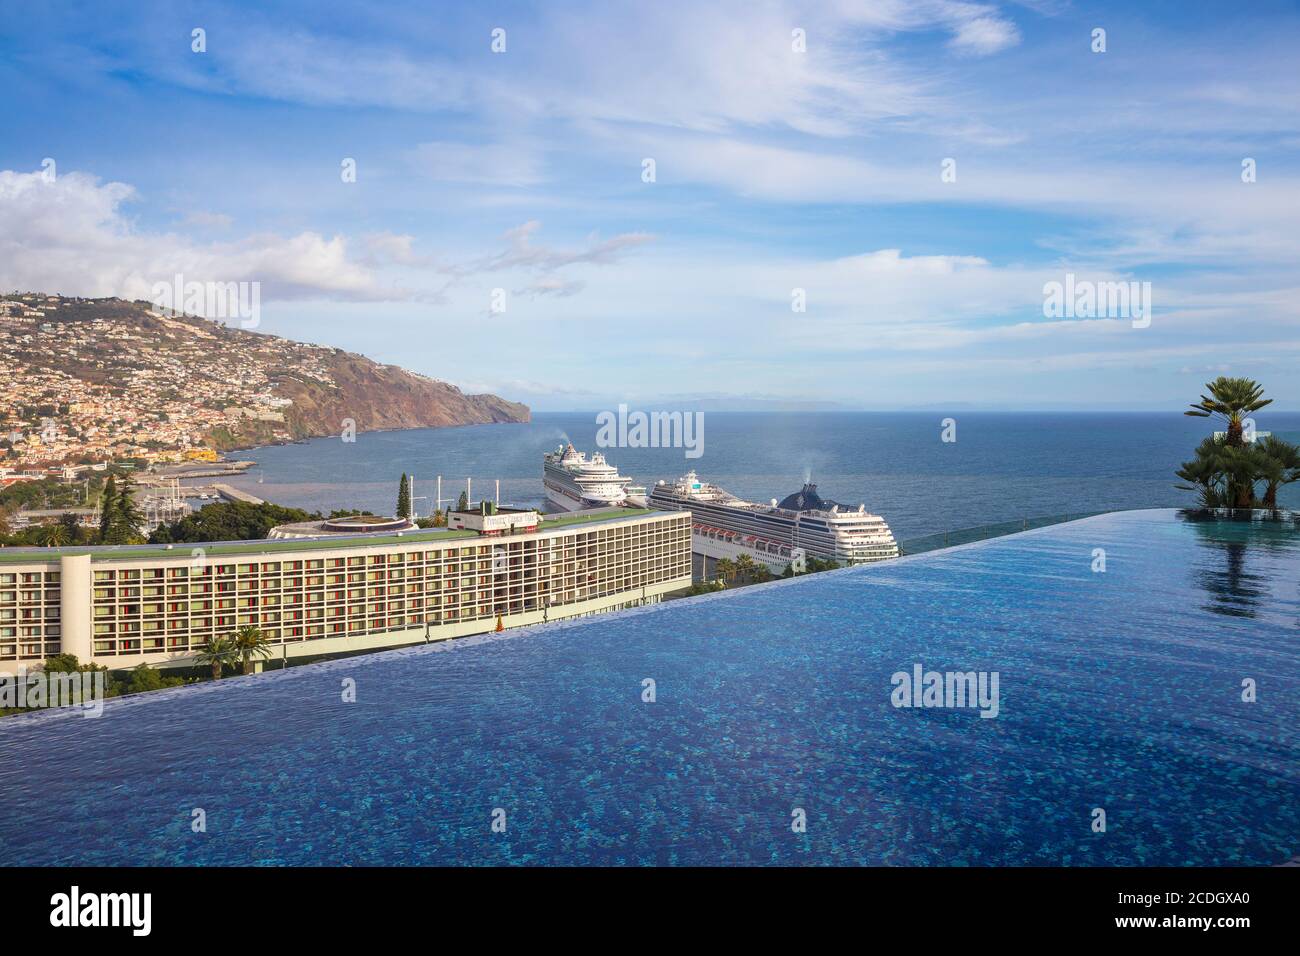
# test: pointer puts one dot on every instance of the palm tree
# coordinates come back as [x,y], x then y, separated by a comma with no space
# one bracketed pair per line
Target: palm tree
[1231,399]
[217,652]
[70,525]
[1279,464]
[726,569]
[52,535]
[250,642]
[1241,466]
[1204,475]
[745,567]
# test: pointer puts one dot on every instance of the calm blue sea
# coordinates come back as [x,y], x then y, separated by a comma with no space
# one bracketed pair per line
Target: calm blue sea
[1003,466]
[1119,691]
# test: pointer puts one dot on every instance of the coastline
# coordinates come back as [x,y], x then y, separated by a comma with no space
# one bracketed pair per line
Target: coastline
[308,439]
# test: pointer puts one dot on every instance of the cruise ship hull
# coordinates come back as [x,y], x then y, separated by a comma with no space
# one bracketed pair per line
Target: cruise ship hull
[847,537]
[566,499]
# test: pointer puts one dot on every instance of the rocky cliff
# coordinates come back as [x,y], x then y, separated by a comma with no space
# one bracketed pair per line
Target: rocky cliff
[385,396]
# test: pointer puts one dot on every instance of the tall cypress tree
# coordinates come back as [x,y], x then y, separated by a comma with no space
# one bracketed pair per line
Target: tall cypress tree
[404,497]
[127,519]
[107,508]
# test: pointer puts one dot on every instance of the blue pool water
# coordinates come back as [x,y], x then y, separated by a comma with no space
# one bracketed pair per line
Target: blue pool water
[1119,690]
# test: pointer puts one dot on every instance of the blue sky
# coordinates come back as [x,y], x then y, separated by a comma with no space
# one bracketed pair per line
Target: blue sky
[775,169]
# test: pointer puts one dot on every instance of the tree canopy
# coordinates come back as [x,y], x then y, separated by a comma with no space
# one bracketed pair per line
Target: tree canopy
[1227,470]
[229,521]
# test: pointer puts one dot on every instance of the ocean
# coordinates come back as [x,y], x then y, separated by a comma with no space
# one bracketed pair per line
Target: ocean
[1001,467]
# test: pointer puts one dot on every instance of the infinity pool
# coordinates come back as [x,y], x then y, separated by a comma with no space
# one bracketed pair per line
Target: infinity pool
[1119,690]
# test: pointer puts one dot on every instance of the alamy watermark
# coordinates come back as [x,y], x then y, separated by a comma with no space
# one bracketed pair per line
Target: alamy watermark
[38,690]
[1085,299]
[75,908]
[228,301]
[638,429]
[922,688]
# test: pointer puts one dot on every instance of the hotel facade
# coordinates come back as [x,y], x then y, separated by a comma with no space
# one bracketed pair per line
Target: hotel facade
[126,606]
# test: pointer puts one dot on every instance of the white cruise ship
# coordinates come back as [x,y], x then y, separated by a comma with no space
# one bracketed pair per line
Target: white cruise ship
[823,529]
[573,481]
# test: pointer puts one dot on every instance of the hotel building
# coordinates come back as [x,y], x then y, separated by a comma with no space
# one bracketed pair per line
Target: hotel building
[152,604]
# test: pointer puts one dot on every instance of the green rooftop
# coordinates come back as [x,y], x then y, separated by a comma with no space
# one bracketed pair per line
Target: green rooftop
[137,552]
[606,515]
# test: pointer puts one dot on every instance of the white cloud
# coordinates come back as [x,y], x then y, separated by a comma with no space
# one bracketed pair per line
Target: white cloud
[305,67]
[984,35]
[523,253]
[205,219]
[552,285]
[72,236]
[516,163]
[695,66]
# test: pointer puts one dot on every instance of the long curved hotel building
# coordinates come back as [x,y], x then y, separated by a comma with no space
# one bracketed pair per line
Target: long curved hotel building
[124,606]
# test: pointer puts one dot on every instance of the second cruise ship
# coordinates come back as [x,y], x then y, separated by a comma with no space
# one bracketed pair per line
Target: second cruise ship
[822,528]
[574,482]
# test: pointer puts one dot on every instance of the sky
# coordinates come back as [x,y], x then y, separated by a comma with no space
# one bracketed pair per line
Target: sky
[859,203]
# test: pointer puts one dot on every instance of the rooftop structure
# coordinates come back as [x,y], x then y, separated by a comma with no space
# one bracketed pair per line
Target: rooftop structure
[491,519]
[348,525]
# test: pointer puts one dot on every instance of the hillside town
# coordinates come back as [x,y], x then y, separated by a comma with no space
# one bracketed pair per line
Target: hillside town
[86,381]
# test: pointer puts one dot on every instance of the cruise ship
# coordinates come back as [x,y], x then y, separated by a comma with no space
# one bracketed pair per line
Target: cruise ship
[573,481]
[821,528]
